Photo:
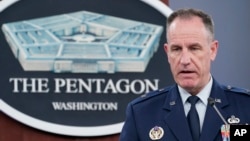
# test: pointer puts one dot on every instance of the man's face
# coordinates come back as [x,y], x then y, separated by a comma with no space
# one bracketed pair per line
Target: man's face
[190,51]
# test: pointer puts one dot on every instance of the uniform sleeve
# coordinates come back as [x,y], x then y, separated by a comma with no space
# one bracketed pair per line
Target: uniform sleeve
[129,132]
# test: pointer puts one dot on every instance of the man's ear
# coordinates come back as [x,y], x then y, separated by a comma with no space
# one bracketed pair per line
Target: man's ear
[214,49]
[166,48]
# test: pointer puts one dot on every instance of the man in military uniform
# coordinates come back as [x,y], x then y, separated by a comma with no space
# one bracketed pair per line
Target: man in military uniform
[182,112]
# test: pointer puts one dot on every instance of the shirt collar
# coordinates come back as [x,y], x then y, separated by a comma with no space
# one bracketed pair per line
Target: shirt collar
[203,94]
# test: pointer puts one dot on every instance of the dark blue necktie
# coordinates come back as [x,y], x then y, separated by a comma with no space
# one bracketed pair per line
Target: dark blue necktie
[193,118]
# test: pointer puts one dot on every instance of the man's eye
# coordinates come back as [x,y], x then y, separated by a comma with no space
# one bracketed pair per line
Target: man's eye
[176,49]
[194,48]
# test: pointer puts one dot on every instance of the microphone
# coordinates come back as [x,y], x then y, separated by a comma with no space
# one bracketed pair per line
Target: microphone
[211,102]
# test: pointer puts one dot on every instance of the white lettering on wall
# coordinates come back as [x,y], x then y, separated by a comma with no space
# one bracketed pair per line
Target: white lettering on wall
[85,106]
[81,86]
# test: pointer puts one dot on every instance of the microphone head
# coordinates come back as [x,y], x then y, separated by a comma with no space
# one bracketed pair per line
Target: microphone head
[211,101]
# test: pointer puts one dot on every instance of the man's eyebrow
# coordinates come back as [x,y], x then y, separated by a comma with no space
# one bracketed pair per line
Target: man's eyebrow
[194,44]
[175,45]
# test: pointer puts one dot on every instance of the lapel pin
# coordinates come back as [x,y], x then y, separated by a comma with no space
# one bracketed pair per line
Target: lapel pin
[233,120]
[156,133]
[172,103]
[218,100]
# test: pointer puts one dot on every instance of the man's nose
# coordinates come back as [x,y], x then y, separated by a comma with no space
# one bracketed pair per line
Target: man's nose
[185,58]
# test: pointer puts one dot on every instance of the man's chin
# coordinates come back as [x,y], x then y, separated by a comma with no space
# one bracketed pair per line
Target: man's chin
[187,85]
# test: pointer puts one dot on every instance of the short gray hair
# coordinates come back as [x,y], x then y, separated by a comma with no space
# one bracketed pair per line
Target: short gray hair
[189,13]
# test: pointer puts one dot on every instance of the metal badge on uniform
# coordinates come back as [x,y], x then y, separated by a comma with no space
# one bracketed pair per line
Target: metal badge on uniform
[233,120]
[156,133]
[225,132]
[172,103]
[217,100]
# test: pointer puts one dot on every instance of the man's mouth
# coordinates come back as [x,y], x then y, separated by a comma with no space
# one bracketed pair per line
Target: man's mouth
[186,71]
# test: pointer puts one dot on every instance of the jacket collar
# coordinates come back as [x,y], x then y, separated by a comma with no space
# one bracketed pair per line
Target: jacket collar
[176,119]
[213,122]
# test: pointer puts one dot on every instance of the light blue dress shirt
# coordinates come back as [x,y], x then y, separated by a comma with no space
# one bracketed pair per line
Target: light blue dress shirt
[201,105]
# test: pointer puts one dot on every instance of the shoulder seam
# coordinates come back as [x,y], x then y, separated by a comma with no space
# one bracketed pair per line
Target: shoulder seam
[150,95]
[237,90]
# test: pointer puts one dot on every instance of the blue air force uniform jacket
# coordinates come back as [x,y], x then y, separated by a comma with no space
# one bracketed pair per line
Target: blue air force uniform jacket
[164,108]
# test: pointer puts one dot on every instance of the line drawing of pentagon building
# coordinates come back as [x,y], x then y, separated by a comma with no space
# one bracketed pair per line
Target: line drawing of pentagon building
[83,42]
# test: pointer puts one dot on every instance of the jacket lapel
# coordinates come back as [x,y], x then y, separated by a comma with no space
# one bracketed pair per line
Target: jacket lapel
[212,122]
[175,117]
[177,122]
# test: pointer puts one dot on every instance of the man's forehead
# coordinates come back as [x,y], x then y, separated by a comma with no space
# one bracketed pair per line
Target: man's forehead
[187,21]
[193,28]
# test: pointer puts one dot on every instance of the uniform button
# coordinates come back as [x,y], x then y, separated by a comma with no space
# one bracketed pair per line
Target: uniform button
[229,87]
